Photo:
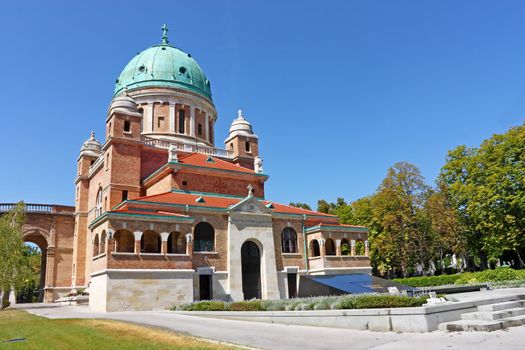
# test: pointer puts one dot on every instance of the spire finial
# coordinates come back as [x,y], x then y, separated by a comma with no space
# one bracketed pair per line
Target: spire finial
[92,135]
[164,34]
[239,114]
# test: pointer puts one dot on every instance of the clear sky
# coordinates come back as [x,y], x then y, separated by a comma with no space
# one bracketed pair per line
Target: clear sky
[337,91]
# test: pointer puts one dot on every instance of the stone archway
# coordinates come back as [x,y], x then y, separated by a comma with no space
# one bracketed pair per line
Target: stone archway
[40,239]
[251,270]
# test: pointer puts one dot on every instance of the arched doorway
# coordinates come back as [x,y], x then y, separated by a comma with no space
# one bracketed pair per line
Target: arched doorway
[251,270]
[36,257]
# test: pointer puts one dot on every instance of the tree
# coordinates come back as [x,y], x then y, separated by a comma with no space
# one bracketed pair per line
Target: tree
[449,232]
[14,269]
[487,187]
[404,241]
[301,205]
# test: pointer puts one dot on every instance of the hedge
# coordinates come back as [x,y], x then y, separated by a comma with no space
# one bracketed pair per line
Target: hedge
[362,301]
[500,274]
[428,281]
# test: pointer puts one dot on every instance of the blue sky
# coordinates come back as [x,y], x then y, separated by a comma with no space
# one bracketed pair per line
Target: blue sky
[337,91]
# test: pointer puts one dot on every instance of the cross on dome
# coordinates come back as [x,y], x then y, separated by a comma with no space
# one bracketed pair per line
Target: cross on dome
[165,29]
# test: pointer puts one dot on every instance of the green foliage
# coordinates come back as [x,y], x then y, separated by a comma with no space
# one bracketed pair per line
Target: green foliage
[301,205]
[14,269]
[5,304]
[428,281]
[250,305]
[364,301]
[501,274]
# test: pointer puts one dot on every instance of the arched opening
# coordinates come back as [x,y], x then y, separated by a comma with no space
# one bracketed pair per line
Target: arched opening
[359,248]
[329,247]
[204,237]
[289,240]
[251,270]
[150,242]
[345,247]
[124,241]
[35,255]
[314,248]
[102,247]
[96,245]
[176,243]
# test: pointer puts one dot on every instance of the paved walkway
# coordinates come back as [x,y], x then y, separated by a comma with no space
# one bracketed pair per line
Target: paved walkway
[278,336]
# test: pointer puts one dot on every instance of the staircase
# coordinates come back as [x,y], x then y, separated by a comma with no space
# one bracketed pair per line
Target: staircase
[490,317]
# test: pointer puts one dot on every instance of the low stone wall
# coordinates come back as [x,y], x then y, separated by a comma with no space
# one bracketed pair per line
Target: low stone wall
[413,319]
[121,290]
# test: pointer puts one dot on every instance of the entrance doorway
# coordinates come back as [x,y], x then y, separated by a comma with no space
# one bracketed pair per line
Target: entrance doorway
[292,285]
[205,292]
[251,270]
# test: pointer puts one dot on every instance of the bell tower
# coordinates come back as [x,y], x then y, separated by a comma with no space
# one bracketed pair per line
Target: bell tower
[242,142]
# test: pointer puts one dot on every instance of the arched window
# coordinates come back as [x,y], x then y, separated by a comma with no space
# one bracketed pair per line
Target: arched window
[329,247]
[345,247]
[314,248]
[102,248]
[150,242]
[124,241]
[359,248]
[204,237]
[95,245]
[289,240]
[176,243]
[98,204]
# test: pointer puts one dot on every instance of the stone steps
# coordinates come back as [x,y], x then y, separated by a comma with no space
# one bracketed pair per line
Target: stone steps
[493,316]
[488,318]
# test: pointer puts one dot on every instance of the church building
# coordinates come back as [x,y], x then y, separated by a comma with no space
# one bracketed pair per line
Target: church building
[163,216]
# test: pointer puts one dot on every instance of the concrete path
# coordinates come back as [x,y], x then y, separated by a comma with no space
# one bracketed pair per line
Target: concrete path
[278,336]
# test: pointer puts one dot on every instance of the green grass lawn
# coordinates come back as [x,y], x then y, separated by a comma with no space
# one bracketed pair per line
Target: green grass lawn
[78,334]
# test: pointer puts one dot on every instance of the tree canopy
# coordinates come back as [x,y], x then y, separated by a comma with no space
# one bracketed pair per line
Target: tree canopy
[14,268]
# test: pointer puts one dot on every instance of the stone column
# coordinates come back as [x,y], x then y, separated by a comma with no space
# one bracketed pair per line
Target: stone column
[192,120]
[338,247]
[164,244]
[172,117]
[189,243]
[147,121]
[352,247]
[138,236]
[322,247]
[366,248]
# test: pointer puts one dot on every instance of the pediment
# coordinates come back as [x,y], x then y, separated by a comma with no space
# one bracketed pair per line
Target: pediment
[250,205]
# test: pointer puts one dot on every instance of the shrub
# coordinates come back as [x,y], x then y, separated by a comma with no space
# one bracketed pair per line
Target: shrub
[500,274]
[5,304]
[386,301]
[251,305]
[273,305]
[203,306]
[428,281]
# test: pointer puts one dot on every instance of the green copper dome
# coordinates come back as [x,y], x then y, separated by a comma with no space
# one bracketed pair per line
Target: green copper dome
[163,66]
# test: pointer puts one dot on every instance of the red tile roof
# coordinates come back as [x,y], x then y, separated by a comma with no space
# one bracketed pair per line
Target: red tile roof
[203,160]
[215,201]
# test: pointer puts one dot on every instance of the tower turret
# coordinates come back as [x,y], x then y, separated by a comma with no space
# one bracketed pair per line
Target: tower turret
[242,141]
